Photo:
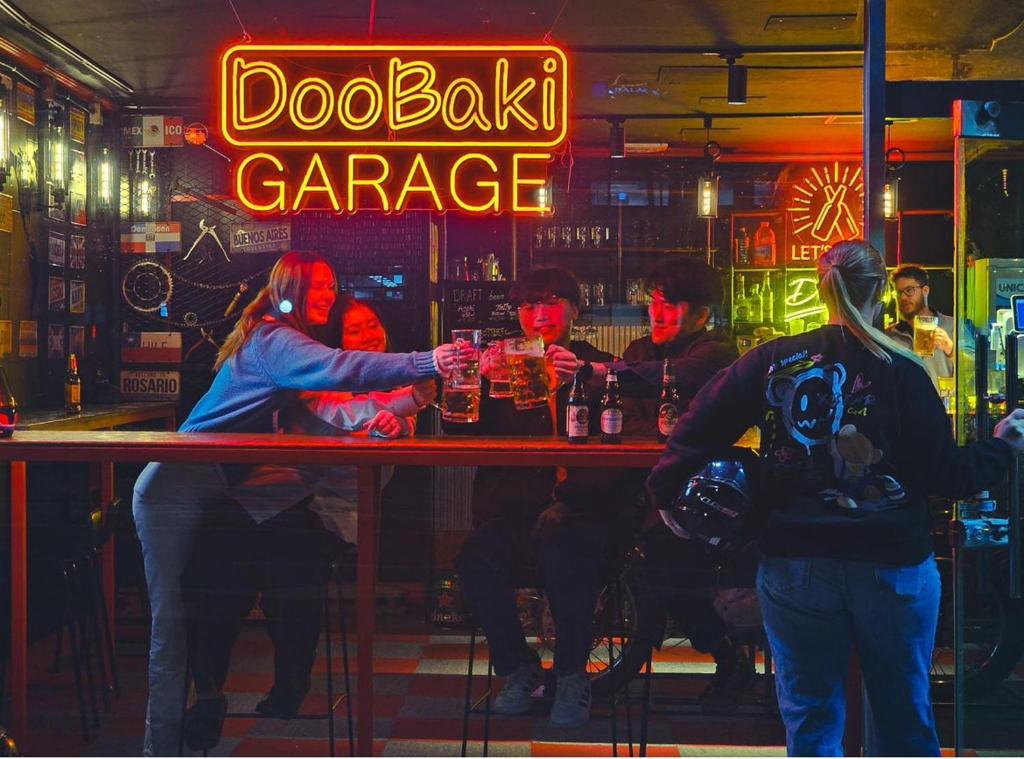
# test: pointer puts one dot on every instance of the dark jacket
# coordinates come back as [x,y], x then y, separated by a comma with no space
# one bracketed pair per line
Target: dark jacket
[524,492]
[851,448]
[695,359]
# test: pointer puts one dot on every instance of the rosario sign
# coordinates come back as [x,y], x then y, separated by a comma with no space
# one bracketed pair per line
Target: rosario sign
[393,127]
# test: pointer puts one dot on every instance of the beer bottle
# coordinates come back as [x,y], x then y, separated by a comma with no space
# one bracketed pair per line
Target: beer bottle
[668,407]
[72,387]
[611,410]
[577,413]
[8,406]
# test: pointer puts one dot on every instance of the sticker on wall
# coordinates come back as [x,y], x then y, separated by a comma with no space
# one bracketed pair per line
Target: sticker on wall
[76,340]
[78,188]
[55,247]
[151,347]
[150,386]
[76,256]
[261,237]
[77,121]
[26,103]
[56,294]
[151,237]
[55,336]
[76,299]
[6,337]
[28,339]
[56,204]
[6,213]
[153,132]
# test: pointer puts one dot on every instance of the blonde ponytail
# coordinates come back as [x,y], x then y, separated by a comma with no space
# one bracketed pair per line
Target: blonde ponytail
[851,275]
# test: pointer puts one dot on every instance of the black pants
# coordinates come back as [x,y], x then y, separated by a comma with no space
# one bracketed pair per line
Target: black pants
[502,555]
[285,559]
[677,579]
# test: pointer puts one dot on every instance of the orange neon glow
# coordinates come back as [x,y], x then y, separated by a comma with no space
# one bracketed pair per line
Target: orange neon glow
[537,181]
[418,166]
[453,187]
[376,183]
[436,96]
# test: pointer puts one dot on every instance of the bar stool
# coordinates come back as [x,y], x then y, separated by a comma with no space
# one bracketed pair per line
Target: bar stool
[335,573]
[610,624]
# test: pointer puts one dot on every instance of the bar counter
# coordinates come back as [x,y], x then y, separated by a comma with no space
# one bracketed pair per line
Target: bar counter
[109,448]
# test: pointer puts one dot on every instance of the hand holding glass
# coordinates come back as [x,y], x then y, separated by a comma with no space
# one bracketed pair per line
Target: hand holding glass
[528,371]
[460,399]
[924,335]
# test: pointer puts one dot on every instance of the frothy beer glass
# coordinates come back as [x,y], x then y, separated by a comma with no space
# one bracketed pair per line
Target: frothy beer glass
[924,335]
[501,386]
[527,371]
[460,393]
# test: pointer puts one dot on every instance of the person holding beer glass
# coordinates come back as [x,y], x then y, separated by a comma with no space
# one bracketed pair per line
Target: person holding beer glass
[921,328]
[267,358]
[517,525]
[854,440]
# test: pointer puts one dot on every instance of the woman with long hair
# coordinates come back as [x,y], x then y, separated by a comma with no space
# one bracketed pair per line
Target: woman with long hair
[267,357]
[854,439]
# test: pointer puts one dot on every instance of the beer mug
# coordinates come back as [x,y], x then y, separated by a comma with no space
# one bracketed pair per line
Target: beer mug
[527,371]
[924,335]
[501,387]
[460,393]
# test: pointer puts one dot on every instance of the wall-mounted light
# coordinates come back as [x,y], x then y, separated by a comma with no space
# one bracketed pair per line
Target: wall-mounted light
[618,140]
[737,89]
[543,197]
[5,142]
[56,161]
[145,195]
[891,198]
[105,180]
[707,197]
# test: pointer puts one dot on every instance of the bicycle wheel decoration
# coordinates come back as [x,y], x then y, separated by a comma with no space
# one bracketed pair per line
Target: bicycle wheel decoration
[147,286]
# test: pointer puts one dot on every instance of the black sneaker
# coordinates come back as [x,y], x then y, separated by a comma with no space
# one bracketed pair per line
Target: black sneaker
[722,695]
[204,722]
[281,705]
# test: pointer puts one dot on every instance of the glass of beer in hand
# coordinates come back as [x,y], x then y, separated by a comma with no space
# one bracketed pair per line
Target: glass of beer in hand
[501,386]
[527,371]
[924,335]
[460,393]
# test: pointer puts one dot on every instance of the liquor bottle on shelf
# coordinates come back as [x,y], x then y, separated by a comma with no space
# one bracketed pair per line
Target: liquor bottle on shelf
[754,305]
[668,407]
[611,410]
[741,314]
[577,413]
[764,245]
[72,387]
[767,300]
[742,247]
[8,406]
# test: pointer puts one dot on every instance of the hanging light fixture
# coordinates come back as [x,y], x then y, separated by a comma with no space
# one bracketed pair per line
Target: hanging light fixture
[618,140]
[891,198]
[895,158]
[57,156]
[707,196]
[543,197]
[737,89]
[105,183]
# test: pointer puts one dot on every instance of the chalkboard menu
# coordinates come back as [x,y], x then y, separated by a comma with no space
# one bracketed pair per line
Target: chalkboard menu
[480,305]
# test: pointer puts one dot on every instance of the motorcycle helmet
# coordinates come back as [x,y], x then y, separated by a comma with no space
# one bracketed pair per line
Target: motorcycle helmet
[715,503]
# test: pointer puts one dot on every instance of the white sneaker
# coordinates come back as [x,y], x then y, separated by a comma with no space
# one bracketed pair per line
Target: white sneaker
[516,694]
[572,701]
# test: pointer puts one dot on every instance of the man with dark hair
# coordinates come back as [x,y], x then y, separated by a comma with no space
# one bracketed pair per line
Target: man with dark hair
[912,291]
[519,526]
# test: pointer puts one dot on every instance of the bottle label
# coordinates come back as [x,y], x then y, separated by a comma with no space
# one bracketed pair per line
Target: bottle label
[577,421]
[668,415]
[72,395]
[611,421]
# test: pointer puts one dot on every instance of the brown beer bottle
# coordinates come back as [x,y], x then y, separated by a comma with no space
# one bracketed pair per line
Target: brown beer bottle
[611,410]
[668,408]
[72,387]
[8,406]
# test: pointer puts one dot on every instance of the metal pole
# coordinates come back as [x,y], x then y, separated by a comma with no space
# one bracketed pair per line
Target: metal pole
[1012,399]
[874,122]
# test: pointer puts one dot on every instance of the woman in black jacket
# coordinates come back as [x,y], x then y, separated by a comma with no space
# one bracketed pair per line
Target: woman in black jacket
[853,441]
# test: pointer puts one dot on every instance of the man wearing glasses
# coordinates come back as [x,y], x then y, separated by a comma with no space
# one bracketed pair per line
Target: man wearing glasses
[912,290]
[522,534]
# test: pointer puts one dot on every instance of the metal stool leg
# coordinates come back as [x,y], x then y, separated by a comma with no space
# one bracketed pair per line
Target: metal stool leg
[76,663]
[645,709]
[344,665]
[330,668]
[469,690]
[612,695]
[93,625]
[108,639]
[83,640]
[487,703]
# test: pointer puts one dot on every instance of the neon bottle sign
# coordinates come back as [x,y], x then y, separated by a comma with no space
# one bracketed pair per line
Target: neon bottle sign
[393,127]
[825,206]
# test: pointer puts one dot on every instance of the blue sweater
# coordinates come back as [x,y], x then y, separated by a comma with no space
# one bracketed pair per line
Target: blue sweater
[276,359]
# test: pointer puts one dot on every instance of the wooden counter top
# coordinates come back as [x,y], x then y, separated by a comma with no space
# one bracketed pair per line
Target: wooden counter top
[97,416]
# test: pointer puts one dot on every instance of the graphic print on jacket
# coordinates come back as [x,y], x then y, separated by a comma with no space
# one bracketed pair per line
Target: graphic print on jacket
[824,436]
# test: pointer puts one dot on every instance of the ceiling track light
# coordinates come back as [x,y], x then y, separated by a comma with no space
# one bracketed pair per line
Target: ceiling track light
[618,139]
[737,89]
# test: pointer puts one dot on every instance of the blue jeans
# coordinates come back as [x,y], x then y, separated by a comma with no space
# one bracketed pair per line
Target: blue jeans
[815,611]
[169,503]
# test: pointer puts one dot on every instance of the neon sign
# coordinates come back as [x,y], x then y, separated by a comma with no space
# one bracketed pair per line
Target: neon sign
[825,206]
[393,127]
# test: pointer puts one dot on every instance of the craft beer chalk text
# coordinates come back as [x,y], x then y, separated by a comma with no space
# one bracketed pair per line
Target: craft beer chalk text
[393,128]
